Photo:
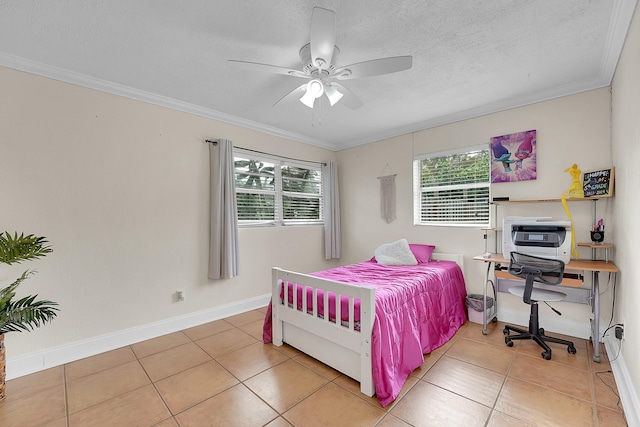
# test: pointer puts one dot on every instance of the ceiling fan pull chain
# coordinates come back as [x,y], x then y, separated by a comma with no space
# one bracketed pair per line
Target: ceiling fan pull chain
[316,114]
[313,117]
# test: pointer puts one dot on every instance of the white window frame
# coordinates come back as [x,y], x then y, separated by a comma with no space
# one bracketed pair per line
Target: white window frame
[418,190]
[279,193]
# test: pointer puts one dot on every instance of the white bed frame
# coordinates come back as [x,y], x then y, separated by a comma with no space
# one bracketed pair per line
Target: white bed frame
[339,346]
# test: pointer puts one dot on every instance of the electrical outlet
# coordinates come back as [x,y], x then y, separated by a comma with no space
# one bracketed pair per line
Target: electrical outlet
[180,295]
[619,332]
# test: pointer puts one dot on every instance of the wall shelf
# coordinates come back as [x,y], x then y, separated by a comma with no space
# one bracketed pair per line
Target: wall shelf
[495,229]
[594,246]
[581,199]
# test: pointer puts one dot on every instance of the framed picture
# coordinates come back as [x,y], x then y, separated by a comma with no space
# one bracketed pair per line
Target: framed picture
[513,157]
[598,183]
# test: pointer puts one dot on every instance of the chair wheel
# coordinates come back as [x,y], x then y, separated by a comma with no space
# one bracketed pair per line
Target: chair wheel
[494,320]
[546,355]
[508,342]
[571,349]
[541,331]
[505,331]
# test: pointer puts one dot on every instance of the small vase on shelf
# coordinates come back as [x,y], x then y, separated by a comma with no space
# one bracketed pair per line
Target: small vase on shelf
[597,236]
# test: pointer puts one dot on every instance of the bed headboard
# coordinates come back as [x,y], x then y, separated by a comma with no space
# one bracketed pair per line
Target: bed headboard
[457,258]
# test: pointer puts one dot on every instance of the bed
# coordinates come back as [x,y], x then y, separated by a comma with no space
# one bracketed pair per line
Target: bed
[390,316]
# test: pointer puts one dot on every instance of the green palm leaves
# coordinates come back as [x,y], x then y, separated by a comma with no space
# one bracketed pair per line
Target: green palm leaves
[26,313]
[14,249]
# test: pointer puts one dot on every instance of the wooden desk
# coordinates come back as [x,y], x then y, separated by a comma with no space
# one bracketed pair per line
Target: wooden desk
[595,267]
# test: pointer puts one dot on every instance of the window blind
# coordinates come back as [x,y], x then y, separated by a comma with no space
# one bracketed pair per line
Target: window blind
[273,192]
[452,188]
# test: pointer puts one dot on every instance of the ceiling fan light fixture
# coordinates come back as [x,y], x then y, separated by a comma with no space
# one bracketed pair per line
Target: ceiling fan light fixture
[307,100]
[315,89]
[334,95]
[319,58]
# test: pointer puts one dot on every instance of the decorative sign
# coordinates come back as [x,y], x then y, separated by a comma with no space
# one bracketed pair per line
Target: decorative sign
[598,183]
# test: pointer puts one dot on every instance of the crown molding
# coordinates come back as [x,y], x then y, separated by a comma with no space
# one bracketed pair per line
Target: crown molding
[495,107]
[78,79]
[619,22]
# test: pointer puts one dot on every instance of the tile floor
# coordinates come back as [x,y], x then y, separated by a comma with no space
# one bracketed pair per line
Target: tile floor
[220,374]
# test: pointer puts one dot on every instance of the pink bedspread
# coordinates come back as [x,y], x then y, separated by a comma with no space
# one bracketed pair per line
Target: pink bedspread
[418,309]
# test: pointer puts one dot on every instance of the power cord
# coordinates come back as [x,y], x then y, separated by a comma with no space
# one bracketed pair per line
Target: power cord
[613,390]
[610,327]
[599,374]
[554,310]
[613,300]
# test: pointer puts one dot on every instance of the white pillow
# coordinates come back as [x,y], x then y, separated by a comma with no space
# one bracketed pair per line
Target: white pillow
[395,253]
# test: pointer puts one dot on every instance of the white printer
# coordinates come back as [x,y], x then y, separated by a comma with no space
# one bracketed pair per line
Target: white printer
[537,236]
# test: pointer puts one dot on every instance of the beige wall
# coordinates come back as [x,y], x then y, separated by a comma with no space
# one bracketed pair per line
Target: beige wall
[569,129]
[626,143]
[120,188]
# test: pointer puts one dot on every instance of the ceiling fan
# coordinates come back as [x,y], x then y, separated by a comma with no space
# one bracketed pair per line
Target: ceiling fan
[318,59]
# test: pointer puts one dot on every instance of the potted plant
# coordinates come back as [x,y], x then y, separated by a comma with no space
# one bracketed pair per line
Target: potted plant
[26,313]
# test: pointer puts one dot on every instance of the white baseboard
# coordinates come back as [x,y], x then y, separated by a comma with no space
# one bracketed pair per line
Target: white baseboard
[628,394]
[549,323]
[51,357]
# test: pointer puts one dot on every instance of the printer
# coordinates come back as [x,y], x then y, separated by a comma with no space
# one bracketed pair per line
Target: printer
[537,236]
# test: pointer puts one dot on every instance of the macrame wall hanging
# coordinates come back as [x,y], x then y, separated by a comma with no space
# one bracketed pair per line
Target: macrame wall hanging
[387,195]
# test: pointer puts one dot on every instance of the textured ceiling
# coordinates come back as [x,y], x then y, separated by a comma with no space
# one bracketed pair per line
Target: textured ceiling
[469,57]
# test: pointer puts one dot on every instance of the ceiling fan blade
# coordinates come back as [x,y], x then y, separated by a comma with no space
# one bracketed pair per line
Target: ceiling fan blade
[349,99]
[374,67]
[323,37]
[294,94]
[270,68]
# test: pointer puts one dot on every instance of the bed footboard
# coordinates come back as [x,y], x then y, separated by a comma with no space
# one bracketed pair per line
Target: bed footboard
[332,337]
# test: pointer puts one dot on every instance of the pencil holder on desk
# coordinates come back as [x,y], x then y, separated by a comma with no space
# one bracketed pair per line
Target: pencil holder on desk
[597,236]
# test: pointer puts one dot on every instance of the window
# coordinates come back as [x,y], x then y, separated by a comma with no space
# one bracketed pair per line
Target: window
[272,192]
[452,188]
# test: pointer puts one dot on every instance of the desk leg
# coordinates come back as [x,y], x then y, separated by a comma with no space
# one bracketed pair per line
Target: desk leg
[485,320]
[595,323]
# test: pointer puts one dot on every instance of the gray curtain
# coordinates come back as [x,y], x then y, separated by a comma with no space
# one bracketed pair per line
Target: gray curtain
[332,239]
[223,242]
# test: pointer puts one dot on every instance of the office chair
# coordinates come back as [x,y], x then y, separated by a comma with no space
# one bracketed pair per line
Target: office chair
[542,270]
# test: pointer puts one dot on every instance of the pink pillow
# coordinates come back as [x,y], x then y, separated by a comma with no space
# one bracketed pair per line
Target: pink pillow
[422,252]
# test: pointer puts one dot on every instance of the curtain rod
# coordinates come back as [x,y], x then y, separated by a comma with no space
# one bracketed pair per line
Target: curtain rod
[271,154]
